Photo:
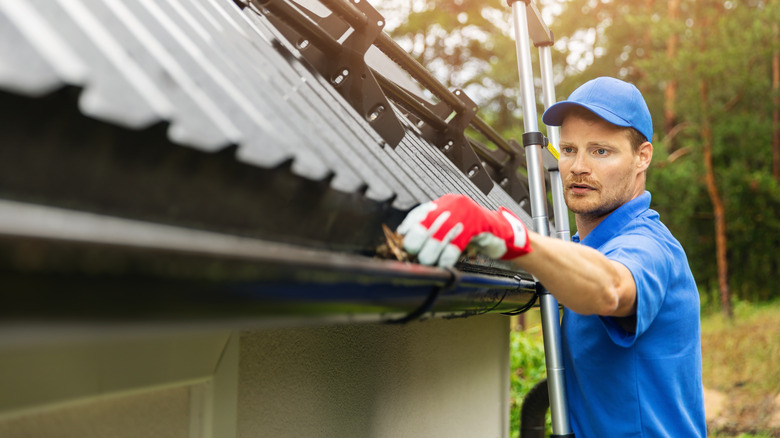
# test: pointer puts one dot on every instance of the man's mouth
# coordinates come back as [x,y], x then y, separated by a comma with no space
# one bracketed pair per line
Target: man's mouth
[581,189]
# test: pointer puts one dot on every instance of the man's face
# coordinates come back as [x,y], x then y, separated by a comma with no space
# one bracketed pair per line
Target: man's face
[599,170]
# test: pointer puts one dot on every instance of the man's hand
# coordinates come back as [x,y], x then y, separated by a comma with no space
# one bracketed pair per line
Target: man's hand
[439,231]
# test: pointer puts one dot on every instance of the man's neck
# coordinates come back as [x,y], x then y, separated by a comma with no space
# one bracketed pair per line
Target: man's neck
[587,223]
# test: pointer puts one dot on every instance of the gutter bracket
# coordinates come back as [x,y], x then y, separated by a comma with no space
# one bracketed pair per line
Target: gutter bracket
[346,70]
[452,141]
[509,179]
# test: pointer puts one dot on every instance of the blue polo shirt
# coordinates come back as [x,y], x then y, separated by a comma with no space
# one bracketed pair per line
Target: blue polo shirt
[647,383]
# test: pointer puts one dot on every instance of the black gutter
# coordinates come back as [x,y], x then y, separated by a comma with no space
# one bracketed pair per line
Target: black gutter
[65,265]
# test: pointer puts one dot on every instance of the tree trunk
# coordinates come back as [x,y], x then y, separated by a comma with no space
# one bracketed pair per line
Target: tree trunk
[647,45]
[670,91]
[721,243]
[776,104]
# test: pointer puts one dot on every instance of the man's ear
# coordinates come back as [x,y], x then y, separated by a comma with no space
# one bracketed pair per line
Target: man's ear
[644,155]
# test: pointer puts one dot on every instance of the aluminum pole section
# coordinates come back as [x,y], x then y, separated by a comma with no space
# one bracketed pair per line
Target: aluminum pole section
[548,89]
[560,210]
[533,151]
[551,328]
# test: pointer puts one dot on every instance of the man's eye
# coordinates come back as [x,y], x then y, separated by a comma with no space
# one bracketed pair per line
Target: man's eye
[601,152]
[567,150]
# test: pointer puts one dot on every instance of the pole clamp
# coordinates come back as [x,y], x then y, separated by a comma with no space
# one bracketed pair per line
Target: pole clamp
[548,42]
[534,138]
[510,2]
[540,289]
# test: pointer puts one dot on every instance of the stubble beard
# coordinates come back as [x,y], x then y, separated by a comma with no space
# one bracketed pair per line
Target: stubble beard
[593,209]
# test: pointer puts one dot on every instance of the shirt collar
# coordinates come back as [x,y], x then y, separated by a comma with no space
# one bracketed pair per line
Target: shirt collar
[615,221]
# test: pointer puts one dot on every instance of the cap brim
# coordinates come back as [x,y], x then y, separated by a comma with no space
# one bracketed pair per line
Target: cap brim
[556,113]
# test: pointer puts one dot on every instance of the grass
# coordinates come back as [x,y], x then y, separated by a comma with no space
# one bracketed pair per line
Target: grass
[741,358]
[744,352]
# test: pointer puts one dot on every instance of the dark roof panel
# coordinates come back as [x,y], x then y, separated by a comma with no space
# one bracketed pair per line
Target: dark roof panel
[178,154]
[218,75]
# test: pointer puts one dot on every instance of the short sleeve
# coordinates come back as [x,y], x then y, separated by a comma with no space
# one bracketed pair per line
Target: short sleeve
[648,261]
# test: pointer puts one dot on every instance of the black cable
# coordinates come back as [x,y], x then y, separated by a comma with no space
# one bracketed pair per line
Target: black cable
[427,305]
[527,305]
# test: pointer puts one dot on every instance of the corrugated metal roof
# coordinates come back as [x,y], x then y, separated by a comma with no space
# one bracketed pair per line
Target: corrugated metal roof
[219,75]
[182,158]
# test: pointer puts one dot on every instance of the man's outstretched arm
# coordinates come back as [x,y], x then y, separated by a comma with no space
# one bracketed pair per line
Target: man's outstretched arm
[580,277]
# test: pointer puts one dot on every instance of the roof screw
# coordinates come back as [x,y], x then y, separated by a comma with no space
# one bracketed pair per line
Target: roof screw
[375,112]
[339,78]
[473,171]
[448,146]
[302,44]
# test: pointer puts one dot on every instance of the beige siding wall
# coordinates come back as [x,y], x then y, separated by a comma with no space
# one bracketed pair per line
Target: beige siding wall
[446,378]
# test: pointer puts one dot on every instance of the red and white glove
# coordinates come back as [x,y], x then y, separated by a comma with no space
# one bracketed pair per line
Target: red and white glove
[439,231]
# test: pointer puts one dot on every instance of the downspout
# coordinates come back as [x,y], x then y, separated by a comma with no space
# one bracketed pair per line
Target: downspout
[533,413]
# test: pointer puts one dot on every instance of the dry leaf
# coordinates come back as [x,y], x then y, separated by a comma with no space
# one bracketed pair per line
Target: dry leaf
[393,248]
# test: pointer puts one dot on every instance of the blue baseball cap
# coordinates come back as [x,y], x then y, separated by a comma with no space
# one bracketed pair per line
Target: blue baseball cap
[615,101]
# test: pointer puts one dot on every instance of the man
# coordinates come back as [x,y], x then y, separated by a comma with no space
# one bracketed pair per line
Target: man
[630,330]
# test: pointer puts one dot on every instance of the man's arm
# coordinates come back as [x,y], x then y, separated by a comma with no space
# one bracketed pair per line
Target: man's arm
[581,278]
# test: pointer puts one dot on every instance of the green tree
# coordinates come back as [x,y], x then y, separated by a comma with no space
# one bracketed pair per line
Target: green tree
[706,68]
[466,44]
[723,76]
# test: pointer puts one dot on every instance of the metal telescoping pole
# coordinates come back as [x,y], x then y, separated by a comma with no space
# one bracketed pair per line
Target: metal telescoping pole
[532,138]
[560,211]
[533,142]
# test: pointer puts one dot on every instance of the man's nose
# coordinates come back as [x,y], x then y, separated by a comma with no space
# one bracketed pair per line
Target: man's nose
[580,165]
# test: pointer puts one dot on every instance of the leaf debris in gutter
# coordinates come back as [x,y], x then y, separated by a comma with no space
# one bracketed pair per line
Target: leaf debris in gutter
[393,248]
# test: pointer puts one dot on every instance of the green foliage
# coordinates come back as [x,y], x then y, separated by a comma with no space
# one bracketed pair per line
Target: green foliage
[466,44]
[728,46]
[722,44]
[725,44]
[527,369]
